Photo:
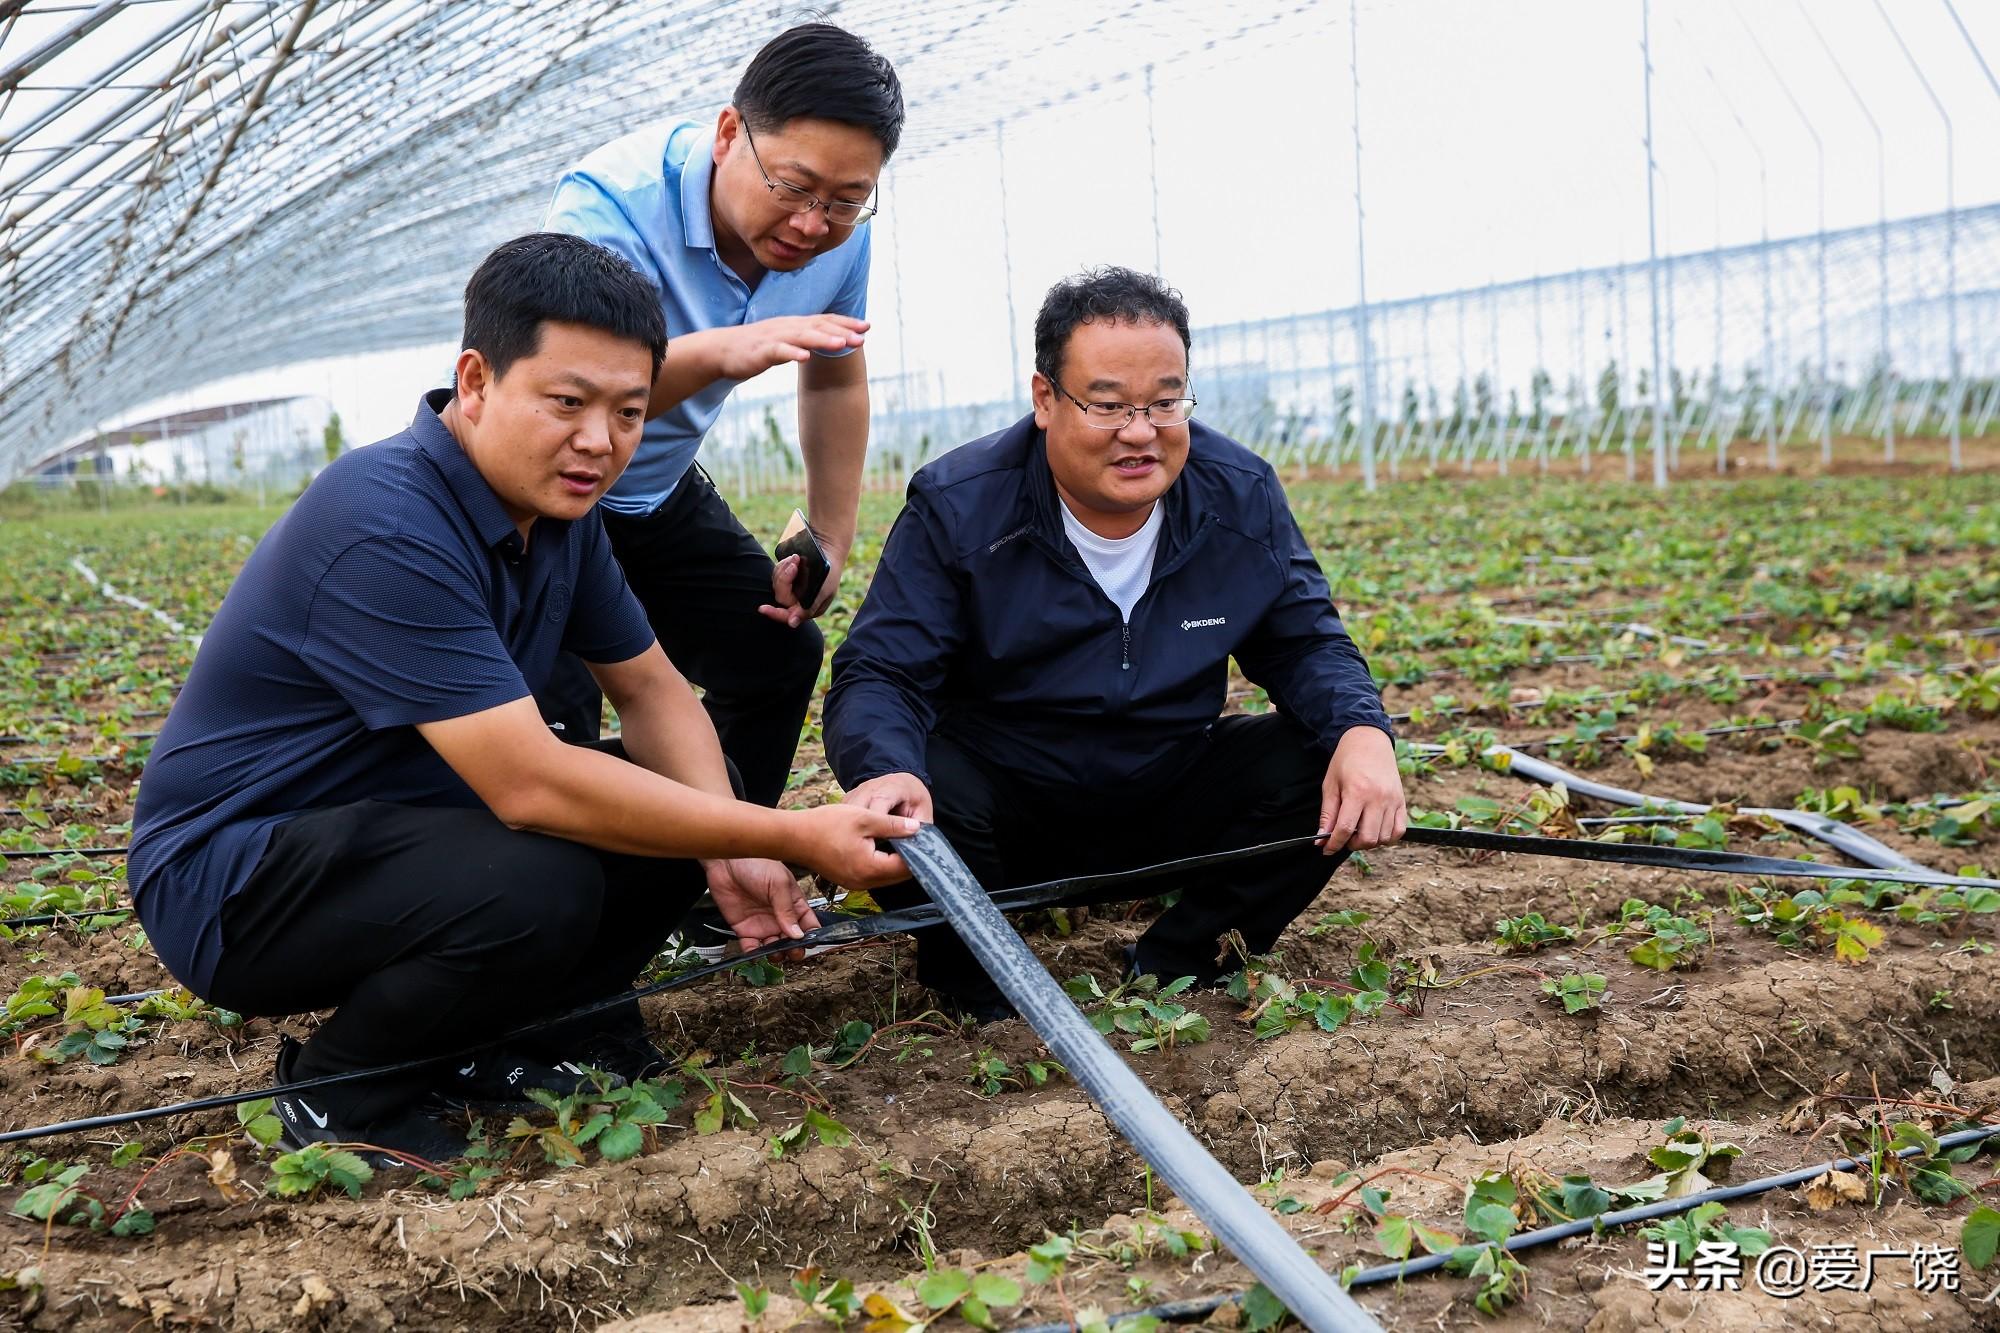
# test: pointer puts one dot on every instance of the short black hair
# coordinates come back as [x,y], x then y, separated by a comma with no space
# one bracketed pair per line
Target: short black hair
[550,276]
[817,71]
[1117,295]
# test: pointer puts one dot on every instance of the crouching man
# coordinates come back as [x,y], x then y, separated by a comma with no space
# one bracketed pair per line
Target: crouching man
[354,803]
[1043,658]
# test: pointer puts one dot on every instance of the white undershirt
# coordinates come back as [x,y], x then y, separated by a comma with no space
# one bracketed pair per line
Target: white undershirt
[1122,566]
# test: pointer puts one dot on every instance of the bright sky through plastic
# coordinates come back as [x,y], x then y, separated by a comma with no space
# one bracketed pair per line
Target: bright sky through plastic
[1499,140]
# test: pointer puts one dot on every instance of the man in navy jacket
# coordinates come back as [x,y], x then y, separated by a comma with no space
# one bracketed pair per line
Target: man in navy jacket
[1043,658]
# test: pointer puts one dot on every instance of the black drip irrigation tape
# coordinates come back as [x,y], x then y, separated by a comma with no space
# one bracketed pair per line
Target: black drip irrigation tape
[1184,1311]
[26,853]
[58,918]
[1078,891]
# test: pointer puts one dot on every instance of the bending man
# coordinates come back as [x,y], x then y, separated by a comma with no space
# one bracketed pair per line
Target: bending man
[752,229]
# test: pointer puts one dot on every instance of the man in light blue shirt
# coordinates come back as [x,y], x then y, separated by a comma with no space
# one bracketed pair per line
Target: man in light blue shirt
[753,230]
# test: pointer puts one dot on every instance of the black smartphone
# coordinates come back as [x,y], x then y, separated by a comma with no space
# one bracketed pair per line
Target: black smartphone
[800,540]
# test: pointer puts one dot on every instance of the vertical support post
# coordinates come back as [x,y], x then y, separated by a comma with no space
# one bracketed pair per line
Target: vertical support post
[1653,253]
[1950,228]
[1007,262]
[1819,158]
[1153,173]
[1886,369]
[1361,259]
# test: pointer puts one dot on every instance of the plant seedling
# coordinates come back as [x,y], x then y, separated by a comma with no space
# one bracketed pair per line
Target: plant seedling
[1531,931]
[1577,991]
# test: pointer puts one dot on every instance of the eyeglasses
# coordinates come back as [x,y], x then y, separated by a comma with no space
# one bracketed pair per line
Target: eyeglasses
[797,199]
[1117,416]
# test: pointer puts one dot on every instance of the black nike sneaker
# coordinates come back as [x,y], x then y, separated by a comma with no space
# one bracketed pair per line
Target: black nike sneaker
[308,1117]
[499,1080]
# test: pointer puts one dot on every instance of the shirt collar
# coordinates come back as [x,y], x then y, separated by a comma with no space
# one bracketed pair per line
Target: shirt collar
[470,489]
[697,170]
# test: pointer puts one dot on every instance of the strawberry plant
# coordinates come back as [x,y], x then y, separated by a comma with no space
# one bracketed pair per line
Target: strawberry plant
[1706,1224]
[1141,1008]
[1530,931]
[62,1198]
[992,1075]
[1576,991]
[305,1173]
[614,1118]
[1665,940]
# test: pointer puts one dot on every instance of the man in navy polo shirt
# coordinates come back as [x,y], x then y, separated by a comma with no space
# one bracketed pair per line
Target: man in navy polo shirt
[354,803]
[1043,657]
[752,228]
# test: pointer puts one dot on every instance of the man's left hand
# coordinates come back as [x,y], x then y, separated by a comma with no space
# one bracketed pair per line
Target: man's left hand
[784,605]
[1361,800]
[760,900]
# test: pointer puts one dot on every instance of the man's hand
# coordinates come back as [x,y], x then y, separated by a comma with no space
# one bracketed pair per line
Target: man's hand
[784,605]
[894,794]
[760,900]
[839,842]
[748,350]
[1361,800]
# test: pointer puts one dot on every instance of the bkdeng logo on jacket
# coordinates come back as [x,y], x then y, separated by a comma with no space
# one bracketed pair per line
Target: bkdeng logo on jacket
[1204,624]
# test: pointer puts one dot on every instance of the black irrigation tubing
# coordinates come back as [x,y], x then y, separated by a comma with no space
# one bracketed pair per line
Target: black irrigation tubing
[1183,1311]
[1079,890]
[21,853]
[1561,742]
[58,918]
[1682,858]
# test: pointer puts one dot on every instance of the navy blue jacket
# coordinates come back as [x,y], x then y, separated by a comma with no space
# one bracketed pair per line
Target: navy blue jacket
[983,624]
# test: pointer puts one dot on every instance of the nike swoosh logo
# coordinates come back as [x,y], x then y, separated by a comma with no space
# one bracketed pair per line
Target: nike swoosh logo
[313,1115]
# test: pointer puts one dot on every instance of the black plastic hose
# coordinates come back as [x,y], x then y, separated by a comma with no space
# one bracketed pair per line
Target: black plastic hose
[1236,1218]
[1182,1311]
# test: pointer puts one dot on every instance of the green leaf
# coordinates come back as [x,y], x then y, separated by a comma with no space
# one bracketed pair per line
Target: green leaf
[1980,1237]
[1437,1242]
[137,1222]
[1262,1310]
[1495,1222]
[620,1142]
[1395,1236]
[941,1288]
[996,1289]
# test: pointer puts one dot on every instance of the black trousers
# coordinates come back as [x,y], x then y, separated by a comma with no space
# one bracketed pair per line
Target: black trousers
[701,577]
[1247,779]
[428,930]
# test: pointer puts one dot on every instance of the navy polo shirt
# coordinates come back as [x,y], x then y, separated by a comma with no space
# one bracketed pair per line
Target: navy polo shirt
[396,591]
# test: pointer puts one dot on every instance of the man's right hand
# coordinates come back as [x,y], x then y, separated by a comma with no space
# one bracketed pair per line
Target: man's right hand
[748,350]
[894,794]
[838,841]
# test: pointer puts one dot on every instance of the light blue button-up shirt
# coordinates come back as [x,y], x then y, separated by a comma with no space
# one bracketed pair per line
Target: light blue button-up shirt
[645,196]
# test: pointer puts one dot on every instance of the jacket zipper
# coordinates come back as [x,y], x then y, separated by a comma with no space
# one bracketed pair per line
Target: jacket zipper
[1125,649]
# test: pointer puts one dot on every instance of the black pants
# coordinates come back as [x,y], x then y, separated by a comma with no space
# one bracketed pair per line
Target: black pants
[701,577]
[1247,779]
[428,930]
